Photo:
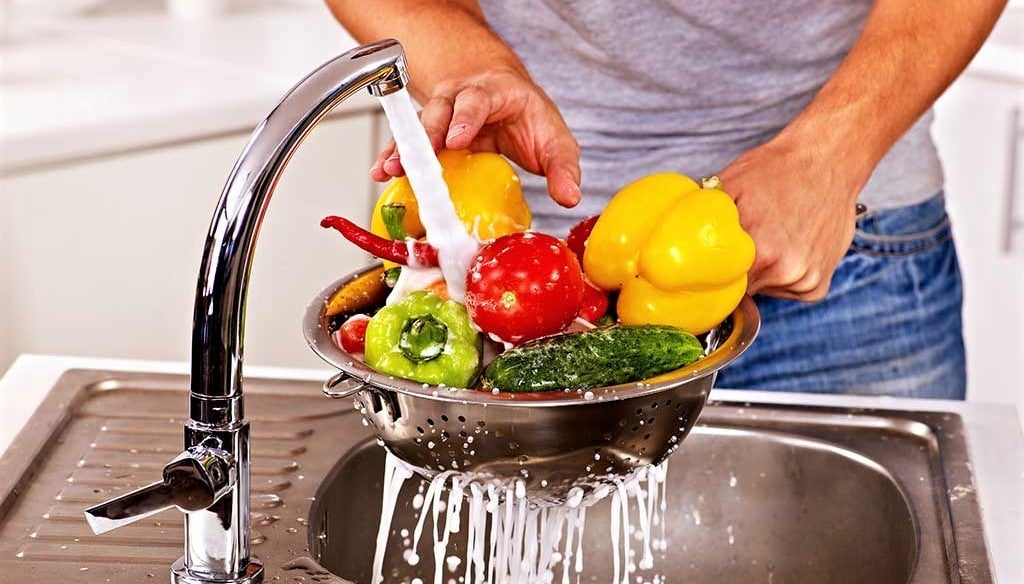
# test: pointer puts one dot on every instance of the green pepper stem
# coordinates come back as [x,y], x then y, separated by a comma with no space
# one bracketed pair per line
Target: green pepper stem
[393,215]
[391,276]
[423,338]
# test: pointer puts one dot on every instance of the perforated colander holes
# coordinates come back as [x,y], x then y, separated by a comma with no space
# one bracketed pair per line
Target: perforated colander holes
[430,427]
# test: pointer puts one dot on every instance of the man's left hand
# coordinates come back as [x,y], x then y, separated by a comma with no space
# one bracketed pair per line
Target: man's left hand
[798,204]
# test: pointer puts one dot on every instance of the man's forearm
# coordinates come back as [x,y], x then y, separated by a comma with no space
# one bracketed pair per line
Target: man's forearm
[444,39]
[907,55]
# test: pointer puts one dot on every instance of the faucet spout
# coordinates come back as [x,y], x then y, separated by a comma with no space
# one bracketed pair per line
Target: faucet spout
[224,275]
[209,481]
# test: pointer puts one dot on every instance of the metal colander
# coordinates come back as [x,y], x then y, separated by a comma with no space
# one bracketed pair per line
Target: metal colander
[554,440]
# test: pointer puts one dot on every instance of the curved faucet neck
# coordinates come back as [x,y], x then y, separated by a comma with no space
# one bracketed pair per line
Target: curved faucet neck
[219,317]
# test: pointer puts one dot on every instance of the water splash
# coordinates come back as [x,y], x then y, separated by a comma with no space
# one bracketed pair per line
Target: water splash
[456,248]
[512,540]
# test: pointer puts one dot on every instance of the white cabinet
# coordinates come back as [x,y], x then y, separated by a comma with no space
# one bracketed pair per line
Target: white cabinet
[100,258]
[977,135]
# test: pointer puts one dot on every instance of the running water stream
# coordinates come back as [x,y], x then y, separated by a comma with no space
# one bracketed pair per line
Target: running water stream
[509,539]
[456,248]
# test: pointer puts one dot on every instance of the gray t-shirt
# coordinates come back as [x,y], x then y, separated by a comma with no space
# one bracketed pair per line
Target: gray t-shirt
[688,85]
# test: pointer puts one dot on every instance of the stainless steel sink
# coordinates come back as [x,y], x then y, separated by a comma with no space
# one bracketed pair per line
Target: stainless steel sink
[758,494]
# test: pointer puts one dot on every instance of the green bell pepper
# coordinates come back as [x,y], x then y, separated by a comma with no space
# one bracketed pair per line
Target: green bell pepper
[425,338]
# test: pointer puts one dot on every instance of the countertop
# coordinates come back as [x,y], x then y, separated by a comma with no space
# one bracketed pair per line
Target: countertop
[993,435]
[121,76]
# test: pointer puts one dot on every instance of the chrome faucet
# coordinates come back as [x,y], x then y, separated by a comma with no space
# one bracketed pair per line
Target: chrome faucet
[209,481]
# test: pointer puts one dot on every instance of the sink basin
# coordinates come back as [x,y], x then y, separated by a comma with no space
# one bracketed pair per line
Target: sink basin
[757,493]
[743,506]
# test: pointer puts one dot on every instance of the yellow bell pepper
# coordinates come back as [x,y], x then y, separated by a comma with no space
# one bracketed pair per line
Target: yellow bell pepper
[483,186]
[675,251]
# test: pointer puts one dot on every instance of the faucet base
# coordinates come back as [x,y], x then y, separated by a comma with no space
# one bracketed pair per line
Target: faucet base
[180,575]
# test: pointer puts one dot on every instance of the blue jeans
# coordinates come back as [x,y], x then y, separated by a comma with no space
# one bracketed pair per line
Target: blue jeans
[890,324]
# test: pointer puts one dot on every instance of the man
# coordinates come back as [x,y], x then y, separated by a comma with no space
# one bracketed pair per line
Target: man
[801,107]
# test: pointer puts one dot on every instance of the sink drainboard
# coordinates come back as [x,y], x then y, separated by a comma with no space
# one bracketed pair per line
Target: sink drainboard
[757,494]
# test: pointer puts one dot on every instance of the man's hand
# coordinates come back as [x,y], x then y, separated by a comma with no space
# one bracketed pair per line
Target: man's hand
[796,194]
[499,110]
[475,91]
[798,205]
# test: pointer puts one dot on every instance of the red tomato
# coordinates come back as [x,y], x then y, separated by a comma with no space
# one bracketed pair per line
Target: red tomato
[577,240]
[595,303]
[352,334]
[523,286]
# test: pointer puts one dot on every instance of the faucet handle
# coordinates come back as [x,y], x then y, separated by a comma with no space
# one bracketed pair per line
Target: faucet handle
[193,481]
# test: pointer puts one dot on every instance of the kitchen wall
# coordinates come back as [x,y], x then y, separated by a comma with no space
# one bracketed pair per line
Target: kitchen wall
[110,268]
[7,346]
[130,119]
[128,122]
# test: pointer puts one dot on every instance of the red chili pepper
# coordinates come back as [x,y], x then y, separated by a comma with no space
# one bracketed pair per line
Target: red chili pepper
[424,254]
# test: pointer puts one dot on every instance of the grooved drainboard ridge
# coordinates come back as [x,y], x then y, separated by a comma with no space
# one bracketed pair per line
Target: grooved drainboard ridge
[117,435]
[124,456]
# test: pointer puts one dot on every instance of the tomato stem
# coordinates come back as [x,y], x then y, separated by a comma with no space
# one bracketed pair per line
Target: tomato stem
[508,299]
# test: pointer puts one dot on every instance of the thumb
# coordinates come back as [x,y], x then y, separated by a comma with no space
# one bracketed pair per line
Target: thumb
[561,166]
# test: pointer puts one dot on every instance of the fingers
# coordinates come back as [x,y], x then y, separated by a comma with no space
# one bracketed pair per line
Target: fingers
[392,165]
[811,288]
[377,171]
[470,112]
[794,277]
[503,113]
[560,163]
[436,117]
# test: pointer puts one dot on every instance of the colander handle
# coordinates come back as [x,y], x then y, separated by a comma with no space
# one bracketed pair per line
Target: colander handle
[343,385]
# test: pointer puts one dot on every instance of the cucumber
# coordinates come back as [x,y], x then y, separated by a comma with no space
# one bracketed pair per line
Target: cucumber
[594,358]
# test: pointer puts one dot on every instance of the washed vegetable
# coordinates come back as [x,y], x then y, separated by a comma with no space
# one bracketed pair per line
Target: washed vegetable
[595,303]
[359,295]
[426,339]
[578,235]
[676,252]
[407,252]
[523,286]
[393,215]
[352,334]
[484,188]
[391,276]
[594,358]
[439,287]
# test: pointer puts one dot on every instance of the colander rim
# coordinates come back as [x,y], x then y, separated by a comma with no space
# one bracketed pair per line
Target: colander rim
[745,321]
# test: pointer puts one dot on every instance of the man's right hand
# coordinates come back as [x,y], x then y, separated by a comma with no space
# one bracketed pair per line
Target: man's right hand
[498,110]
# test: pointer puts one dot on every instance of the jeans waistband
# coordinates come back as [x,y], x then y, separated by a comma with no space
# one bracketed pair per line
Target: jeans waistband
[904,230]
